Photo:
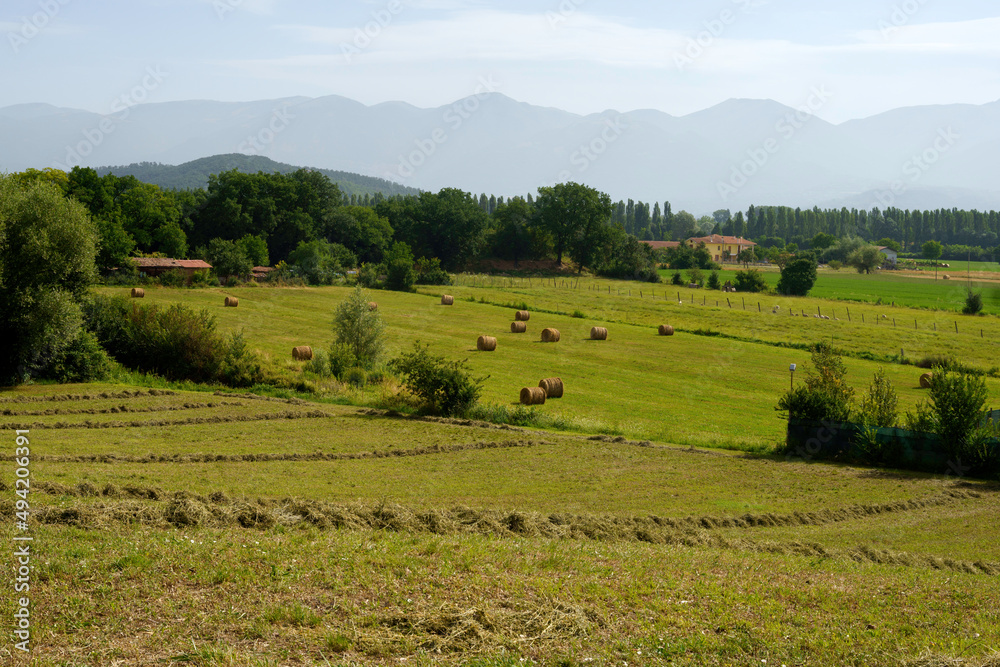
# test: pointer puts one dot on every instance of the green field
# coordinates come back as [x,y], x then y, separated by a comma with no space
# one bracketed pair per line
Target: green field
[223,528]
[888,287]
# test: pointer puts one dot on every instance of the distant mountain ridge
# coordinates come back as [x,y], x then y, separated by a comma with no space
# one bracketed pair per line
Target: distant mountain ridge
[737,153]
[195,174]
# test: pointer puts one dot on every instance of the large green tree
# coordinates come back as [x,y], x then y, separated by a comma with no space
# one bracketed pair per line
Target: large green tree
[47,248]
[577,216]
[798,276]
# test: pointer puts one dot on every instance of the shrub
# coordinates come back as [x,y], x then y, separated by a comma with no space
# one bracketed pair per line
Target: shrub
[399,272]
[173,278]
[713,281]
[878,405]
[320,364]
[695,276]
[973,303]
[356,377]
[677,278]
[826,395]
[360,328]
[341,358]
[444,387]
[835,265]
[798,277]
[176,342]
[368,275]
[750,280]
[83,360]
[429,272]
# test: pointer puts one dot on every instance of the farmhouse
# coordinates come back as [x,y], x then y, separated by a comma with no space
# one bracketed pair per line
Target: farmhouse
[157,266]
[723,248]
[890,254]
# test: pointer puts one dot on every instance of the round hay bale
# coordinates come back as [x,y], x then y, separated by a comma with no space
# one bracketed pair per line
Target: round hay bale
[533,396]
[598,333]
[447,300]
[302,353]
[232,302]
[522,316]
[486,344]
[925,380]
[550,335]
[553,387]
[666,330]
[946,277]
[372,305]
[518,327]
[138,293]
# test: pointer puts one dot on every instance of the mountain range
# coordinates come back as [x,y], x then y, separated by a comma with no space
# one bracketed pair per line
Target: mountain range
[737,153]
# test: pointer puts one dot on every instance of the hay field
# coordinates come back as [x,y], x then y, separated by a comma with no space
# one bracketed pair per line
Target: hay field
[185,528]
[690,388]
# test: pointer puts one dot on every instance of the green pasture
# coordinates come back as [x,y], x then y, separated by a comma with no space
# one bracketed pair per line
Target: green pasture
[685,389]
[887,287]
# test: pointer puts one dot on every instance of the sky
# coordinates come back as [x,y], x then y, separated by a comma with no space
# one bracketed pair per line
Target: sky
[583,56]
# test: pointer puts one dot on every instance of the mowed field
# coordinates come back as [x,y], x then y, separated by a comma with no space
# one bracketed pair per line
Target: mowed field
[197,528]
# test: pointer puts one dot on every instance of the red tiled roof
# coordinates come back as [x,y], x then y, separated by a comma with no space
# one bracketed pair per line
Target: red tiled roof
[168,263]
[657,245]
[725,240]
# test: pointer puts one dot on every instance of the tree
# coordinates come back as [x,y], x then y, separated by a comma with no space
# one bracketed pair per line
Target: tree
[973,303]
[399,272]
[444,387]
[889,243]
[47,248]
[228,259]
[255,248]
[360,229]
[931,250]
[823,241]
[866,259]
[512,237]
[360,328]
[577,217]
[798,276]
[321,262]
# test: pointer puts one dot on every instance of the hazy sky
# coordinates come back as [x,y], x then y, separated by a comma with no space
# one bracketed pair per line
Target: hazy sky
[580,55]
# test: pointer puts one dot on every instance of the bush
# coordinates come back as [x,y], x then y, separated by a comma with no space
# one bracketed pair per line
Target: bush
[173,278]
[677,278]
[798,277]
[320,364]
[878,405]
[973,303]
[444,387]
[429,272]
[399,272]
[368,275]
[241,366]
[750,280]
[356,377]
[713,281]
[84,360]
[341,358]
[826,395]
[835,265]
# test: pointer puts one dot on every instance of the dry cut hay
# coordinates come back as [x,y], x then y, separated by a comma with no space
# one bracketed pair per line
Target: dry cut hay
[232,302]
[598,333]
[138,293]
[666,330]
[522,316]
[518,327]
[302,353]
[925,380]
[550,335]
[553,387]
[486,344]
[533,396]
[447,300]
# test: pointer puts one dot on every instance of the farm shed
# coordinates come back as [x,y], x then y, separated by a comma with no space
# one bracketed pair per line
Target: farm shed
[157,266]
